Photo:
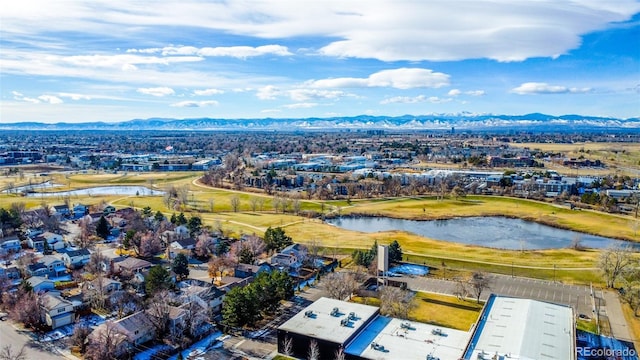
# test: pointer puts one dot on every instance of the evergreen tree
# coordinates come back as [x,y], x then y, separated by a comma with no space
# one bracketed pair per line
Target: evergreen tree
[157,279]
[180,266]
[276,239]
[395,251]
[181,219]
[102,228]
[174,219]
[194,224]
[158,216]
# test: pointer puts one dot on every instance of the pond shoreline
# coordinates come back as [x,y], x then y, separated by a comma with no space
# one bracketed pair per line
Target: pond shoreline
[427,218]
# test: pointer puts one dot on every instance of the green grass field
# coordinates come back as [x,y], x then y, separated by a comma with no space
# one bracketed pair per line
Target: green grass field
[562,264]
[440,310]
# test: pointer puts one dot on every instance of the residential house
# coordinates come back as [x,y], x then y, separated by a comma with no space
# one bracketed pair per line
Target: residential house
[134,330]
[205,294]
[11,273]
[108,285]
[55,241]
[290,258]
[137,327]
[188,243]
[56,311]
[80,210]
[75,259]
[177,318]
[247,270]
[109,209]
[61,211]
[132,264]
[37,269]
[40,284]
[54,264]
[9,244]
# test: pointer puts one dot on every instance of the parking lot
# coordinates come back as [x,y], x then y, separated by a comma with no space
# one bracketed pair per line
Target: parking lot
[576,296]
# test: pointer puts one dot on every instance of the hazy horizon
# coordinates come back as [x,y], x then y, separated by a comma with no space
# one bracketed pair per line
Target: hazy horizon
[114,61]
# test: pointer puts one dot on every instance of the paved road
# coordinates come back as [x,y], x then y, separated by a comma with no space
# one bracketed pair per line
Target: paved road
[17,338]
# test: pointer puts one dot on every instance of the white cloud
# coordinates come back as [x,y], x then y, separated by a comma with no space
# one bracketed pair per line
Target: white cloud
[75,97]
[157,91]
[241,52]
[270,111]
[414,100]
[194,104]
[51,99]
[20,97]
[388,30]
[268,92]
[208,92]
[305,105]
[307,94]
[530,88]
[402,78]
[475,92]
[454,92]
[125,62]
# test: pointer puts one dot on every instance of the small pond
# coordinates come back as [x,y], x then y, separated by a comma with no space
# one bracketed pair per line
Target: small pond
[493,232]
[102,190]
[32,187]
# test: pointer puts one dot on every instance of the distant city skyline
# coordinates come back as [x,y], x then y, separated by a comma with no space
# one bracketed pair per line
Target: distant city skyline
[81,61]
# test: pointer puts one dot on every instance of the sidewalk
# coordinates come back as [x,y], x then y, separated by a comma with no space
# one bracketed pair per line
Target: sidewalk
[613,308]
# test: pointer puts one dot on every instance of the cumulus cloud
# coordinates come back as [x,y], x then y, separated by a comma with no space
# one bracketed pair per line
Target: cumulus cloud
[75,97]
[414,100]
[268,92]
[402,78]
[240,52]
[195,104]
[208,92]
[454,92]
[531,88]
[157,91]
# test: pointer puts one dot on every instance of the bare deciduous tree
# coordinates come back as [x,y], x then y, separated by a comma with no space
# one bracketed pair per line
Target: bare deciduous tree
[396,302]
[287,346]
[340,285]
[613,262]
[104,342]
[79,337]
[8,353]
[235,203]
[339,355]
[478,283]
[158,309]
[314,351]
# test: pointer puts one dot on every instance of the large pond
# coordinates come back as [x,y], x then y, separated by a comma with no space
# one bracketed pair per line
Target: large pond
[493,232]
[101,190]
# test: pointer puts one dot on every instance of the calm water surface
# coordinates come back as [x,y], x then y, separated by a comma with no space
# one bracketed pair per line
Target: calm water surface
[493,232]
[102,190]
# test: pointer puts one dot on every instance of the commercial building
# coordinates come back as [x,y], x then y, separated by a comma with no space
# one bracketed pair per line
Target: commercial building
[508,328]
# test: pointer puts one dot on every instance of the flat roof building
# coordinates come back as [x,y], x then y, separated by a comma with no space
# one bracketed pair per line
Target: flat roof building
[508,328]
[513,328]
[333,324]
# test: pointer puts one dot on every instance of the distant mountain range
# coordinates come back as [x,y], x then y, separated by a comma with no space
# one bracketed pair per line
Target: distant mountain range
[461,121]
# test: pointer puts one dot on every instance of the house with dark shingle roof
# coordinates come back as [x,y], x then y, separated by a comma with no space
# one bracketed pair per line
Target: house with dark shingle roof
[76,258]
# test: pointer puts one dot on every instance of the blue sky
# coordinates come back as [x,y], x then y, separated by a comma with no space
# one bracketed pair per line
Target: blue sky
[74,61]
